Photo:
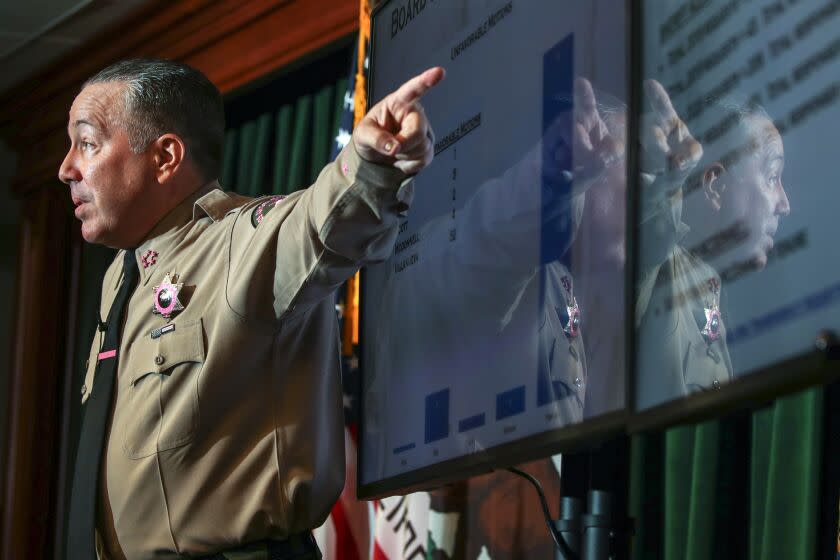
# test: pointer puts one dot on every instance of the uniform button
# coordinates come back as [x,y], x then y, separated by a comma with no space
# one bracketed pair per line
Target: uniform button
[578,382]
[159,359]
[84,389]
[716,384]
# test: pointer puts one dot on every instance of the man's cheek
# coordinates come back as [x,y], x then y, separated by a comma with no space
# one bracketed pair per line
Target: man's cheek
[770,201]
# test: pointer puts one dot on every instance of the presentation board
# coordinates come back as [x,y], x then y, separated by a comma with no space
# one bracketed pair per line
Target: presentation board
[495,331]
[736,270]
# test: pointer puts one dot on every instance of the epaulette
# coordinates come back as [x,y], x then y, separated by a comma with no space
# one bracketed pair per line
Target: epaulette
[264,208]
[217,204]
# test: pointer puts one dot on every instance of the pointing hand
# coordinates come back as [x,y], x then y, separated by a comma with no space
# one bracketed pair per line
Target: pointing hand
[396,130]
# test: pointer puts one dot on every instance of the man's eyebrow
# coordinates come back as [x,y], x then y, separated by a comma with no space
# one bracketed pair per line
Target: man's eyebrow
[83,121]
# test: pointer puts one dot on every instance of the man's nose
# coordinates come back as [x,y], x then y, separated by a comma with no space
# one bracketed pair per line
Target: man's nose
[68,171]
[783,205]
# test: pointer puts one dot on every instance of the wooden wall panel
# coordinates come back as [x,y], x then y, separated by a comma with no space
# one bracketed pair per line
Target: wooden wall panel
[257,46]
[36,378]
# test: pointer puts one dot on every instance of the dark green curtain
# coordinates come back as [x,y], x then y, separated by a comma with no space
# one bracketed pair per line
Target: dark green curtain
[745,486]
[285,148]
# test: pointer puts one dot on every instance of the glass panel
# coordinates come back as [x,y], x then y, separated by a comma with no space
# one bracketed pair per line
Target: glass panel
[738,203]
[500,314]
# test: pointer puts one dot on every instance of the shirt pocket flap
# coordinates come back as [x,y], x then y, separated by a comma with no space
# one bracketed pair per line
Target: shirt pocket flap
[184,343]
[705,366]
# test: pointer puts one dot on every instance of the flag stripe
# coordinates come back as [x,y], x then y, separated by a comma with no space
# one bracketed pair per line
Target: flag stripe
[345,543]
[378,553]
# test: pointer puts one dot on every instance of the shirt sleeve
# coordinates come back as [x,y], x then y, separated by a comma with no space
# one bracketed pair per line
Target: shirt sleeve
[288,254]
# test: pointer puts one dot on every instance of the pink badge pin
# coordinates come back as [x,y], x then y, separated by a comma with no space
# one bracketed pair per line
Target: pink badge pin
[166,297]
[572,328]
[711,331]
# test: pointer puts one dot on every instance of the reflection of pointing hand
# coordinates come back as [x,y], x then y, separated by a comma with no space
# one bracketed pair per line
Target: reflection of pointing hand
[668,148]
[396,131]
[595,148]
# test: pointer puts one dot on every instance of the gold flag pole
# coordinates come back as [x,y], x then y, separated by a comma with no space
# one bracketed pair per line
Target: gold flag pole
[350,336]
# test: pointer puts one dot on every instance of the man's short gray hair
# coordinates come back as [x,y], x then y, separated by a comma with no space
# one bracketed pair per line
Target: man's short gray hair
[162,97]
[730,130]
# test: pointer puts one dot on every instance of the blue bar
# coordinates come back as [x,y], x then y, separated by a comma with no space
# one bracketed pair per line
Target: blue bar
[558,108]
[437,416]
[471,423]
[510,403]
[403,448]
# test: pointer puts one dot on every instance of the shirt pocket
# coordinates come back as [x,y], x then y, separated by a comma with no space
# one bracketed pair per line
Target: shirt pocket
[161,404]
[706,366]
[561,369]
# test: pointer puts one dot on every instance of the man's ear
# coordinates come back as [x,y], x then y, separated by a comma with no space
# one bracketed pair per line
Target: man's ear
[169,153]
[714,184]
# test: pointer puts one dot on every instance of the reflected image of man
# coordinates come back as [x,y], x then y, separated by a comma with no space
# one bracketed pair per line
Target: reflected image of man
[544,313]
[737,196]
[598,253]
[213,420]
[675,354]
[729,208]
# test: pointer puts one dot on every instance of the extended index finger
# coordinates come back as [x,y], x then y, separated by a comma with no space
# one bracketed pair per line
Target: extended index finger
[416,87]
[585,100]
[660,101]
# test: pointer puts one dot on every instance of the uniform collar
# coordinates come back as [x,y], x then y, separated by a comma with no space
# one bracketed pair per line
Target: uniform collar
[161,236]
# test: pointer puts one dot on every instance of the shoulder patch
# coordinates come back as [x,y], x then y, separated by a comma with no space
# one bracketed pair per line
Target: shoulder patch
[264,208]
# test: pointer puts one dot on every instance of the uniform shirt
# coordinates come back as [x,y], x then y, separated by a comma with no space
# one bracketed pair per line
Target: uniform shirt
[562,361]
[674,357]
[228,428]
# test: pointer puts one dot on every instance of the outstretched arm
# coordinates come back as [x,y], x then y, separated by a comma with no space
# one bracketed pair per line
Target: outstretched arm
[304,246]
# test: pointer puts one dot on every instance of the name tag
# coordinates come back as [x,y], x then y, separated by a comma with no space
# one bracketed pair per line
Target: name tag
[157,333]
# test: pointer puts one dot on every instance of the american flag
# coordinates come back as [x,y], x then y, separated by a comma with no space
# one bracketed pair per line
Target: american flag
[394,528]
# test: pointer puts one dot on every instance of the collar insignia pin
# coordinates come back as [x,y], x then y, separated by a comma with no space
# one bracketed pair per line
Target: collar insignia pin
[149,258]
[166,297]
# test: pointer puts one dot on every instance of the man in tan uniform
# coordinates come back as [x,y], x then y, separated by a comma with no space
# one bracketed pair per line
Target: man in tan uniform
[224,431]
[678,294]
[725,213]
